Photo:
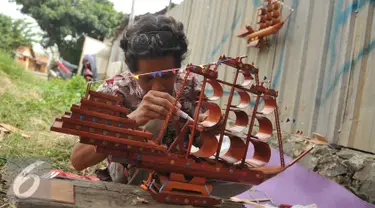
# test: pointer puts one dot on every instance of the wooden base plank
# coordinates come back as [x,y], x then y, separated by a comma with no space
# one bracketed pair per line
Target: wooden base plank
[49,190]
[99,194]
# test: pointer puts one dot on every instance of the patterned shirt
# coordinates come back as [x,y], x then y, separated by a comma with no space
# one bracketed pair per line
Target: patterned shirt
[126,86]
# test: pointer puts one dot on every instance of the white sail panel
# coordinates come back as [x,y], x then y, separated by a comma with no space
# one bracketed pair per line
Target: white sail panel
[217,88]
[261,155]
[242,120]
[244,99]
[269,105]
[265,128]
[214,115]
[208,148]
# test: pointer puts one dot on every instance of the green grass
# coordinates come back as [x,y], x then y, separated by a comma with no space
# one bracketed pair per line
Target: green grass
[31,104]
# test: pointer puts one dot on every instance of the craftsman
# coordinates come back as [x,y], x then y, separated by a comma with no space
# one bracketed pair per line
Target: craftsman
[152,43]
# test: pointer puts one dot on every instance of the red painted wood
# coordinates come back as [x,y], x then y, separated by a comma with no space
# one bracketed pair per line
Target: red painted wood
[57,126]
[77,111]
[111,130]
[103,96]
[114,108]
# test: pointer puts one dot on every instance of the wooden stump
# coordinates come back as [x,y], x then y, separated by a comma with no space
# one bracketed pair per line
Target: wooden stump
[58,193]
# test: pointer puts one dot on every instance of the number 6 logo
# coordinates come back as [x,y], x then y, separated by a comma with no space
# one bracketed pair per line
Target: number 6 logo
[23,177]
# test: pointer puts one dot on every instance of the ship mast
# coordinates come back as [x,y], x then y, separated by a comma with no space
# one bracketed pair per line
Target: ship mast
[227,112]
[250,130]
[196,116]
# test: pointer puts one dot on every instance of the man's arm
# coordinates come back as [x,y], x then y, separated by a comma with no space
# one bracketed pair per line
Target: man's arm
[84,156]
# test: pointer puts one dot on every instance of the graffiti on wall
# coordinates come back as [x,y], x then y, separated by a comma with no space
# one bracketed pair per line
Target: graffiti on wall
[341,16]
[341,19]
[226,35]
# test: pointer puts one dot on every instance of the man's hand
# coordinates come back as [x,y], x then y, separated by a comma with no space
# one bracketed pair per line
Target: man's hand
[154,105]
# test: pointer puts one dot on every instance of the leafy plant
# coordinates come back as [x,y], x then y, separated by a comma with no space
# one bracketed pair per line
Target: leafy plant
[31,104]
[32,97]
[15,33]
[8,66]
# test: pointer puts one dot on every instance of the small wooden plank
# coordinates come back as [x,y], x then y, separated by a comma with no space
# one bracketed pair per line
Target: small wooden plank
[115,108]
[101,194]
[57,126]
[78,110]
[125,130]
[4,130]
[9,128]
[101,95]
[62,191]
[50,190]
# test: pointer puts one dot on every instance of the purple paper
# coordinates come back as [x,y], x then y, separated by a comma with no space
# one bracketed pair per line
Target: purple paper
[299,186]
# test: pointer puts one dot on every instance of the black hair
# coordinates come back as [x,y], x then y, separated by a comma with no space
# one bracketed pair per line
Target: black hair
[151,23]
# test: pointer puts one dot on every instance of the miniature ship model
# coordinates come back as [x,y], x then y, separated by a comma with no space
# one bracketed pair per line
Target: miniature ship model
[180,174]
[269,22]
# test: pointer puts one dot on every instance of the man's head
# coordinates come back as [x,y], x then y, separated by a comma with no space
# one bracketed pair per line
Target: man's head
[154,43]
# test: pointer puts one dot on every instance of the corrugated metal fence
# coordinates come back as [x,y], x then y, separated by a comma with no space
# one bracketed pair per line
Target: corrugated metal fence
[320,61]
